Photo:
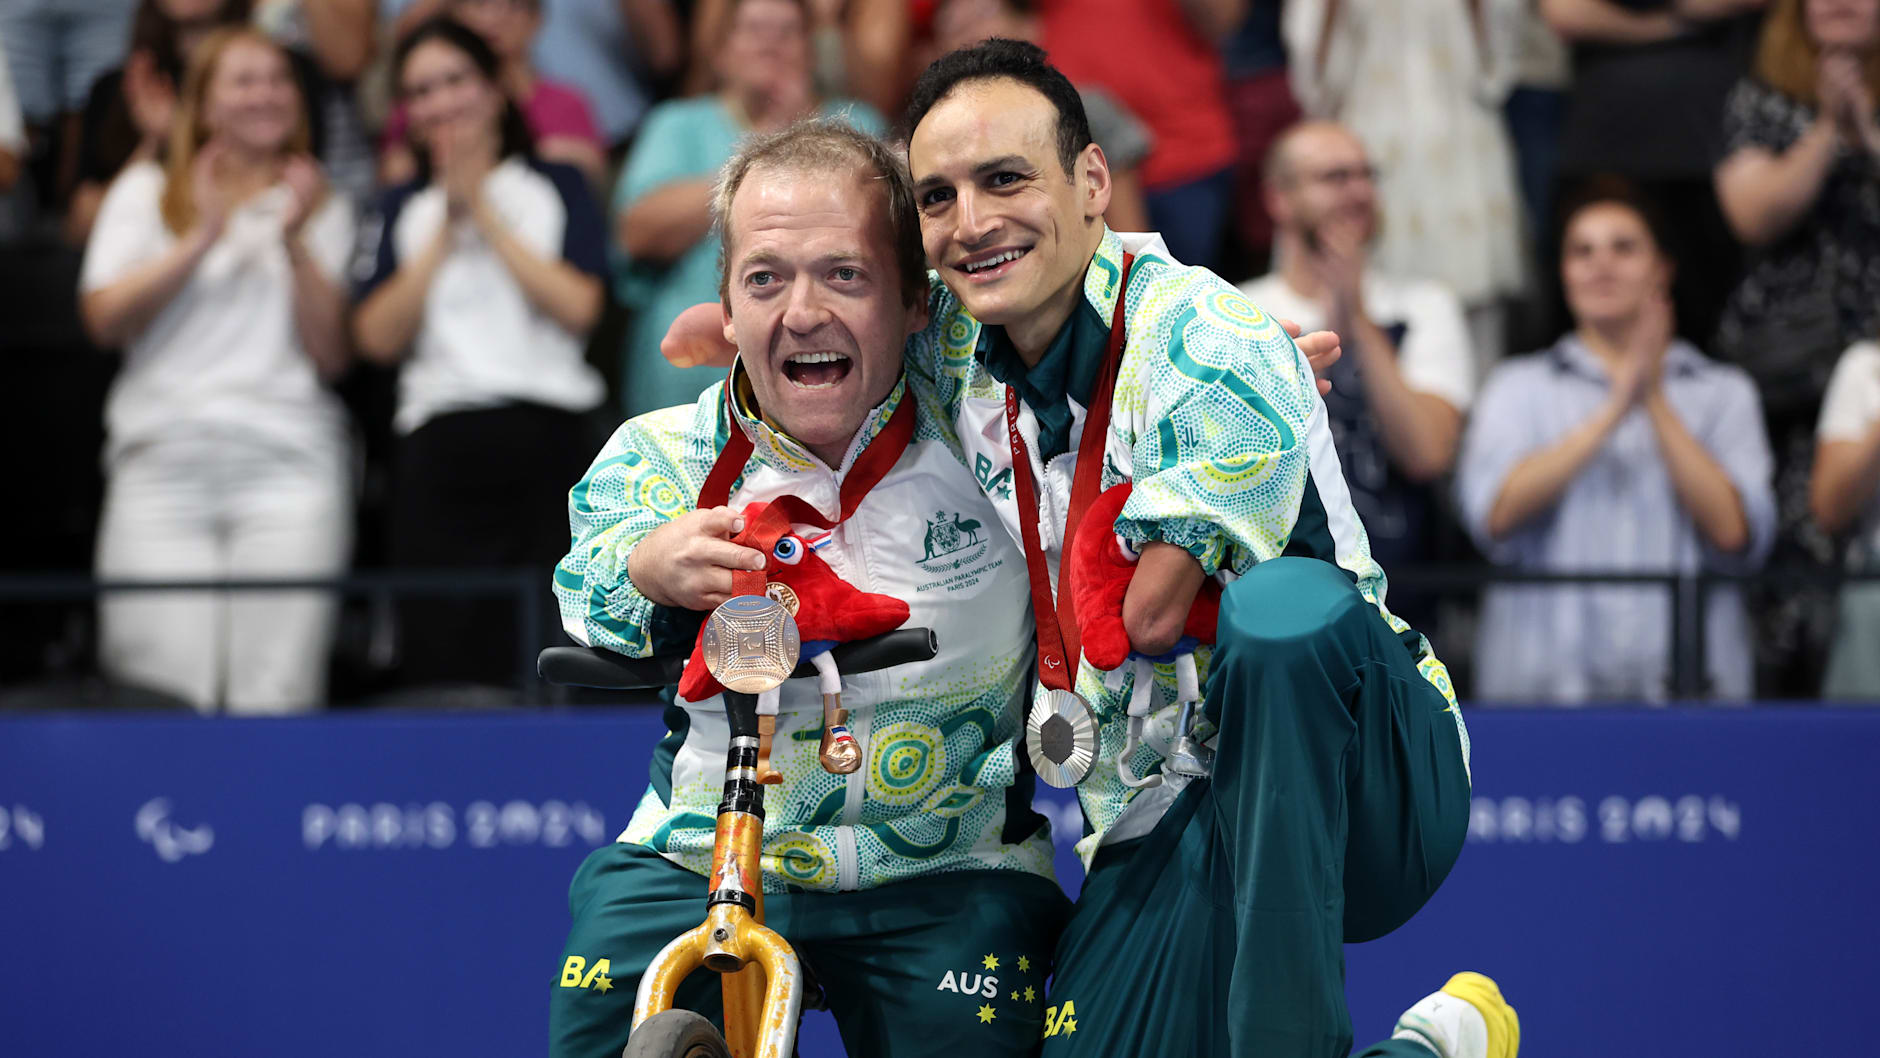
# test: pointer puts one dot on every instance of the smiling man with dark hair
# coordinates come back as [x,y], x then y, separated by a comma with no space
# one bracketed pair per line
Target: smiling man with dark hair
[1339,791]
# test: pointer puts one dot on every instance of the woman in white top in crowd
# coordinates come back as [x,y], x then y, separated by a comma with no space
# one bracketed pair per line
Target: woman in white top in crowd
[220,275]
[485,279]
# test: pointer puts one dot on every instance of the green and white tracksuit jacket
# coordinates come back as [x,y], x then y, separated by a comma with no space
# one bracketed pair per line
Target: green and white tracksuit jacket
[939,788]
[1217,421]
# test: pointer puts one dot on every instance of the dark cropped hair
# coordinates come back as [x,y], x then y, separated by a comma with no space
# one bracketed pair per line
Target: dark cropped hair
[1014,60]
[1609,190]
[444,29]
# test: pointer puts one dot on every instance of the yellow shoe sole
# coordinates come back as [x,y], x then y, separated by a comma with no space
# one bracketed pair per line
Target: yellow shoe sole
[1481,992]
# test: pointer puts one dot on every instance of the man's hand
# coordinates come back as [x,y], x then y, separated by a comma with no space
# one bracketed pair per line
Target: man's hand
[697,338]
[1321,348]
[1337,258]
[688,562]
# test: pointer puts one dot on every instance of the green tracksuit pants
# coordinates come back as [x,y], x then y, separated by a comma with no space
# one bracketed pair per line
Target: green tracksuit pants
[1338,803]
[947,964]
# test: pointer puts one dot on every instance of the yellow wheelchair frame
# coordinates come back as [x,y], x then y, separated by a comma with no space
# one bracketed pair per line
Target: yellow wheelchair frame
[762,980]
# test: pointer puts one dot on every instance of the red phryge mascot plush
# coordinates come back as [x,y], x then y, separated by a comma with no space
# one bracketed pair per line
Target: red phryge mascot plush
[828,611]
[1101,568]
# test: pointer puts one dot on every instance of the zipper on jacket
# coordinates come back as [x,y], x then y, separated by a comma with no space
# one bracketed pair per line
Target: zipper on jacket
[848,865]
[861,719]
[848,857]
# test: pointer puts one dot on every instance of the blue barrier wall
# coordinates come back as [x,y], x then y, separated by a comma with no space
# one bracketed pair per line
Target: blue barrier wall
[1642,883]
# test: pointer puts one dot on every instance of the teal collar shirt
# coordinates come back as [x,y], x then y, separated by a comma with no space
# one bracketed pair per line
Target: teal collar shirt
[1067,371]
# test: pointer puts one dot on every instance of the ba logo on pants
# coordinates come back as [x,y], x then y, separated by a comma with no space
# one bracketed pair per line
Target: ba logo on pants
[1060,1019]
[596,978]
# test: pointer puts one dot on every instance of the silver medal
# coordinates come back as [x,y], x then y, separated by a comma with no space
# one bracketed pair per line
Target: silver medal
[1061,738]
[751,643]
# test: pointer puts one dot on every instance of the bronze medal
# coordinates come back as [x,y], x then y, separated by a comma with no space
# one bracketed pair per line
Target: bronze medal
[783,593]
[751,643]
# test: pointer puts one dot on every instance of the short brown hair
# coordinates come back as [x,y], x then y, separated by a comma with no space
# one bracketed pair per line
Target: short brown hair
[822,146]
[1608,189]
[1787,57]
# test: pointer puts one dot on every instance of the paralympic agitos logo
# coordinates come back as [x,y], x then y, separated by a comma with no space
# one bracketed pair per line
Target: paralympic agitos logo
[172,842]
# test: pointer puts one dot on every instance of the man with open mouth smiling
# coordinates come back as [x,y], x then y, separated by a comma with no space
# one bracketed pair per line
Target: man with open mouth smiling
[918,886]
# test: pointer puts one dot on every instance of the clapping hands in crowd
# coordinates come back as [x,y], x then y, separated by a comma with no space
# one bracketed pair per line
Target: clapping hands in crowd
[206,192]
[1337,250]
[1638,371]
[1845,99]
[462,154]
[307,186]
[151,101]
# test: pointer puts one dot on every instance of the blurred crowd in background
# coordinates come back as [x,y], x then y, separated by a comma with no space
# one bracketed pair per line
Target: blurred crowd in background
[298,289]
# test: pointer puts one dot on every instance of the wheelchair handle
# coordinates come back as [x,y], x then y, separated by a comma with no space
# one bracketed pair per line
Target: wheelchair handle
[608,671]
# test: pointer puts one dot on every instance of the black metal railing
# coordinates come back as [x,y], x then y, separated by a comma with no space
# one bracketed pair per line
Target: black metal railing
[528,589]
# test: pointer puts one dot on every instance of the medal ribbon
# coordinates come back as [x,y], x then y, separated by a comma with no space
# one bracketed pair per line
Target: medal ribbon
[1059,648]
[864,474]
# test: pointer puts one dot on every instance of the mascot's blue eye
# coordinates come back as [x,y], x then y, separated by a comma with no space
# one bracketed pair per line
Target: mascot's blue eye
[789,550]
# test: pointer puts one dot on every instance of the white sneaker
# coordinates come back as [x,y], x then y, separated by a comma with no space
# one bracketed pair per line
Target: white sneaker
[1467,1018]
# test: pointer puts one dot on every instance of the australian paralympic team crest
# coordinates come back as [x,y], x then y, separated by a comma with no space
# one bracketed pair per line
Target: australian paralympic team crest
[952,543]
